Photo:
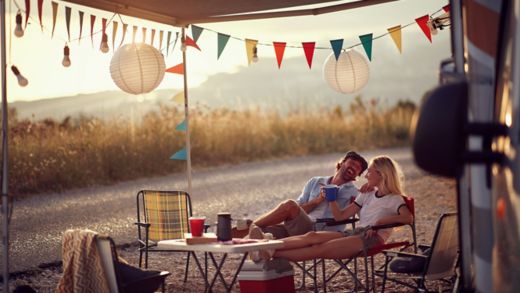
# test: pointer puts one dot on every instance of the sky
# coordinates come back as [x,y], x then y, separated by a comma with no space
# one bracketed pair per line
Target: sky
[38,55]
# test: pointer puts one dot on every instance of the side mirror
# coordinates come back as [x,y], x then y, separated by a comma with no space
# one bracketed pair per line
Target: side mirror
[441,132]
[439,139]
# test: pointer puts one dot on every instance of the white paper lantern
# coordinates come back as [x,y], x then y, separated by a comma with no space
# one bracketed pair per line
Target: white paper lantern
[348,74]
[137,68]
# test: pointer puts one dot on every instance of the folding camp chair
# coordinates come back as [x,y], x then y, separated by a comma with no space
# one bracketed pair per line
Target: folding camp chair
[368,255]
[436,262]
[162,215]
[123,278]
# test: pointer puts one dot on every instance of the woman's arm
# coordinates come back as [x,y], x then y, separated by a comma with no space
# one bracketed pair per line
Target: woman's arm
[348,212]
[404,217]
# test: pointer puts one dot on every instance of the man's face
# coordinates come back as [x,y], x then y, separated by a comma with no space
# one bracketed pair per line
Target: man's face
[350,169]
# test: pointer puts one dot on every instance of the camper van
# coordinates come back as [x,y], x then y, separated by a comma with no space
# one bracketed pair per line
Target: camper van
[468,128]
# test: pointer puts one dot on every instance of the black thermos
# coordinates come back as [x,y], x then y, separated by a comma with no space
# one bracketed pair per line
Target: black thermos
[224,226]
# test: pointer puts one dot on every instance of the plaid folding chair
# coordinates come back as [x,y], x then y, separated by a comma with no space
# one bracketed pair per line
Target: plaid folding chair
[162,215]
[368,255]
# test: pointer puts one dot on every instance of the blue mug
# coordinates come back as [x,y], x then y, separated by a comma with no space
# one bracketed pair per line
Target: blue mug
[331,192]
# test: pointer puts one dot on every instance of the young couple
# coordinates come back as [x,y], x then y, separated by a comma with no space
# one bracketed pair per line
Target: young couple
[379,202]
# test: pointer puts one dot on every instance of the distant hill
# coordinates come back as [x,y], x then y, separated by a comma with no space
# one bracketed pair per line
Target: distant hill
[263,85]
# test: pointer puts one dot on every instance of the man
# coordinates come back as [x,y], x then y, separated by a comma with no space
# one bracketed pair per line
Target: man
[296,217]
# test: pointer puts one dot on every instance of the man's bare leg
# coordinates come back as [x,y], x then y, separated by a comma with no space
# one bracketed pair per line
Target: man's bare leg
[287,210]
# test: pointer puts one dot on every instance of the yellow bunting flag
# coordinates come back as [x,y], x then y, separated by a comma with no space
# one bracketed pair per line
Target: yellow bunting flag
[179,97]
[251,50]
[395,33]
[54,14]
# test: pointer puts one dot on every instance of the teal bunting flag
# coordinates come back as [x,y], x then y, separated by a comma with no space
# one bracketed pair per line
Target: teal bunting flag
[366,41]
[222,42]
[181,126]
[180,155]
[195,32]
[337,45]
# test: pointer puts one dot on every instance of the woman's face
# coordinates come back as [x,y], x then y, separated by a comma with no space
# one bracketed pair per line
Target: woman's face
[373,176]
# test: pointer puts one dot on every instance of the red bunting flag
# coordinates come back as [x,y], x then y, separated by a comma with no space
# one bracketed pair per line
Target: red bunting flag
[446,8]
[279,49]
[27,11]
[423,24]
[190,42]
[308,48]
[179,69]
[40,9]
[92,21]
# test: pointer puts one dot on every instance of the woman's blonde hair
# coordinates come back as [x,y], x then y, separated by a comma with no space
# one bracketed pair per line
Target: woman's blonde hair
[392,177]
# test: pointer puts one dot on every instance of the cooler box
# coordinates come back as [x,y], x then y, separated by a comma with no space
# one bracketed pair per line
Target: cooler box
[254,278]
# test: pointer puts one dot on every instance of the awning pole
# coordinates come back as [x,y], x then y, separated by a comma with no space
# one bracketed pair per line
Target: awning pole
[186,110]
[5,201]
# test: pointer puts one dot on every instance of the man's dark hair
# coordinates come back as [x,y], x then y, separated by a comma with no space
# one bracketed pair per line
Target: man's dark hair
[355,156]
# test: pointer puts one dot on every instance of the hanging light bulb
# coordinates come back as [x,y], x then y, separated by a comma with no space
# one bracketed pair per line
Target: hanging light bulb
[22,81]
[255,54]
[66,59]
[183,47]
[104,43]
[18,30]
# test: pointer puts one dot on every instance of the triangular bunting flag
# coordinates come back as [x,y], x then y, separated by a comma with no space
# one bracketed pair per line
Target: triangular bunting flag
[67,20]
[54,14]
[80,26]
[153,37]
[27,11]
[168,38]
[190,42]
[179,69]
[92,21]
[195,32]
[222,40]
[144,34]
[337,45]
[179,97]
[125,27]
[279,49]
[250,48]
[114,32]
[40,10]
[308,48]
[423,24]
[181,126]
[180,155]
[395,33]
[134,32]
[366,41]
[446,8]
[161,34]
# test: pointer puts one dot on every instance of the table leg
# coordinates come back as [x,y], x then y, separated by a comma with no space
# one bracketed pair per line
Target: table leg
[218,272]
[204,272]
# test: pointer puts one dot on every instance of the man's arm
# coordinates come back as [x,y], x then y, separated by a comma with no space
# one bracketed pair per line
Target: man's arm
[311,205]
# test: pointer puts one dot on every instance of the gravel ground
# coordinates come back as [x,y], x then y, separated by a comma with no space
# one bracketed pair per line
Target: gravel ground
[433,196]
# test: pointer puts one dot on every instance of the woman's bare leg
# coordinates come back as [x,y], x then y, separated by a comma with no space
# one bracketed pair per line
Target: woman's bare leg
[309,239]
[344,247]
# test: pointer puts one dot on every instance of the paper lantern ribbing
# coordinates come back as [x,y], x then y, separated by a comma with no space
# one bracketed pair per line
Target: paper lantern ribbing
[348,74]
[137,68]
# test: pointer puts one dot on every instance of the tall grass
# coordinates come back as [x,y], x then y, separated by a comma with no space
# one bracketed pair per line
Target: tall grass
[49,155]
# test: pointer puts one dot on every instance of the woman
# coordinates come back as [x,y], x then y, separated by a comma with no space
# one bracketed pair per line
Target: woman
[383,205]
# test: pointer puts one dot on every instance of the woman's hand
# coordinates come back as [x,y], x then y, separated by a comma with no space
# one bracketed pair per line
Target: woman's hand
[370,233]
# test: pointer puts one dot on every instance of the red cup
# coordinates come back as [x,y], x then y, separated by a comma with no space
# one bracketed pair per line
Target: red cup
[197,226]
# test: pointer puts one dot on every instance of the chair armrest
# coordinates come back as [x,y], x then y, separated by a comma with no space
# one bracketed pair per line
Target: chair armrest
[394,253]
[332,222]
[423,247]
[141,224]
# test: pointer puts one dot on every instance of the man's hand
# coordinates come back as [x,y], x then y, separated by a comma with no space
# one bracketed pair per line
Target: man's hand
[366,188]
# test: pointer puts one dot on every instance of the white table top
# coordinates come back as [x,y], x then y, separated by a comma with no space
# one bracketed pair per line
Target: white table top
[180,244]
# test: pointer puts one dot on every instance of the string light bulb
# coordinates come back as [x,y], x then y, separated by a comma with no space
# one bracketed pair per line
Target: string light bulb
[255,54]
[431,25]
[183,47]
[104,43]
[66,59]
[22,81]
[18,30]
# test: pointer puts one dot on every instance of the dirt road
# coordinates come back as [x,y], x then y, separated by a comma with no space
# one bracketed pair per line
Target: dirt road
[245,190]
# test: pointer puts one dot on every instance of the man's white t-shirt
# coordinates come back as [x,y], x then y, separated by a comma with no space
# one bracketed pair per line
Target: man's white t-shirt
[375,207]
